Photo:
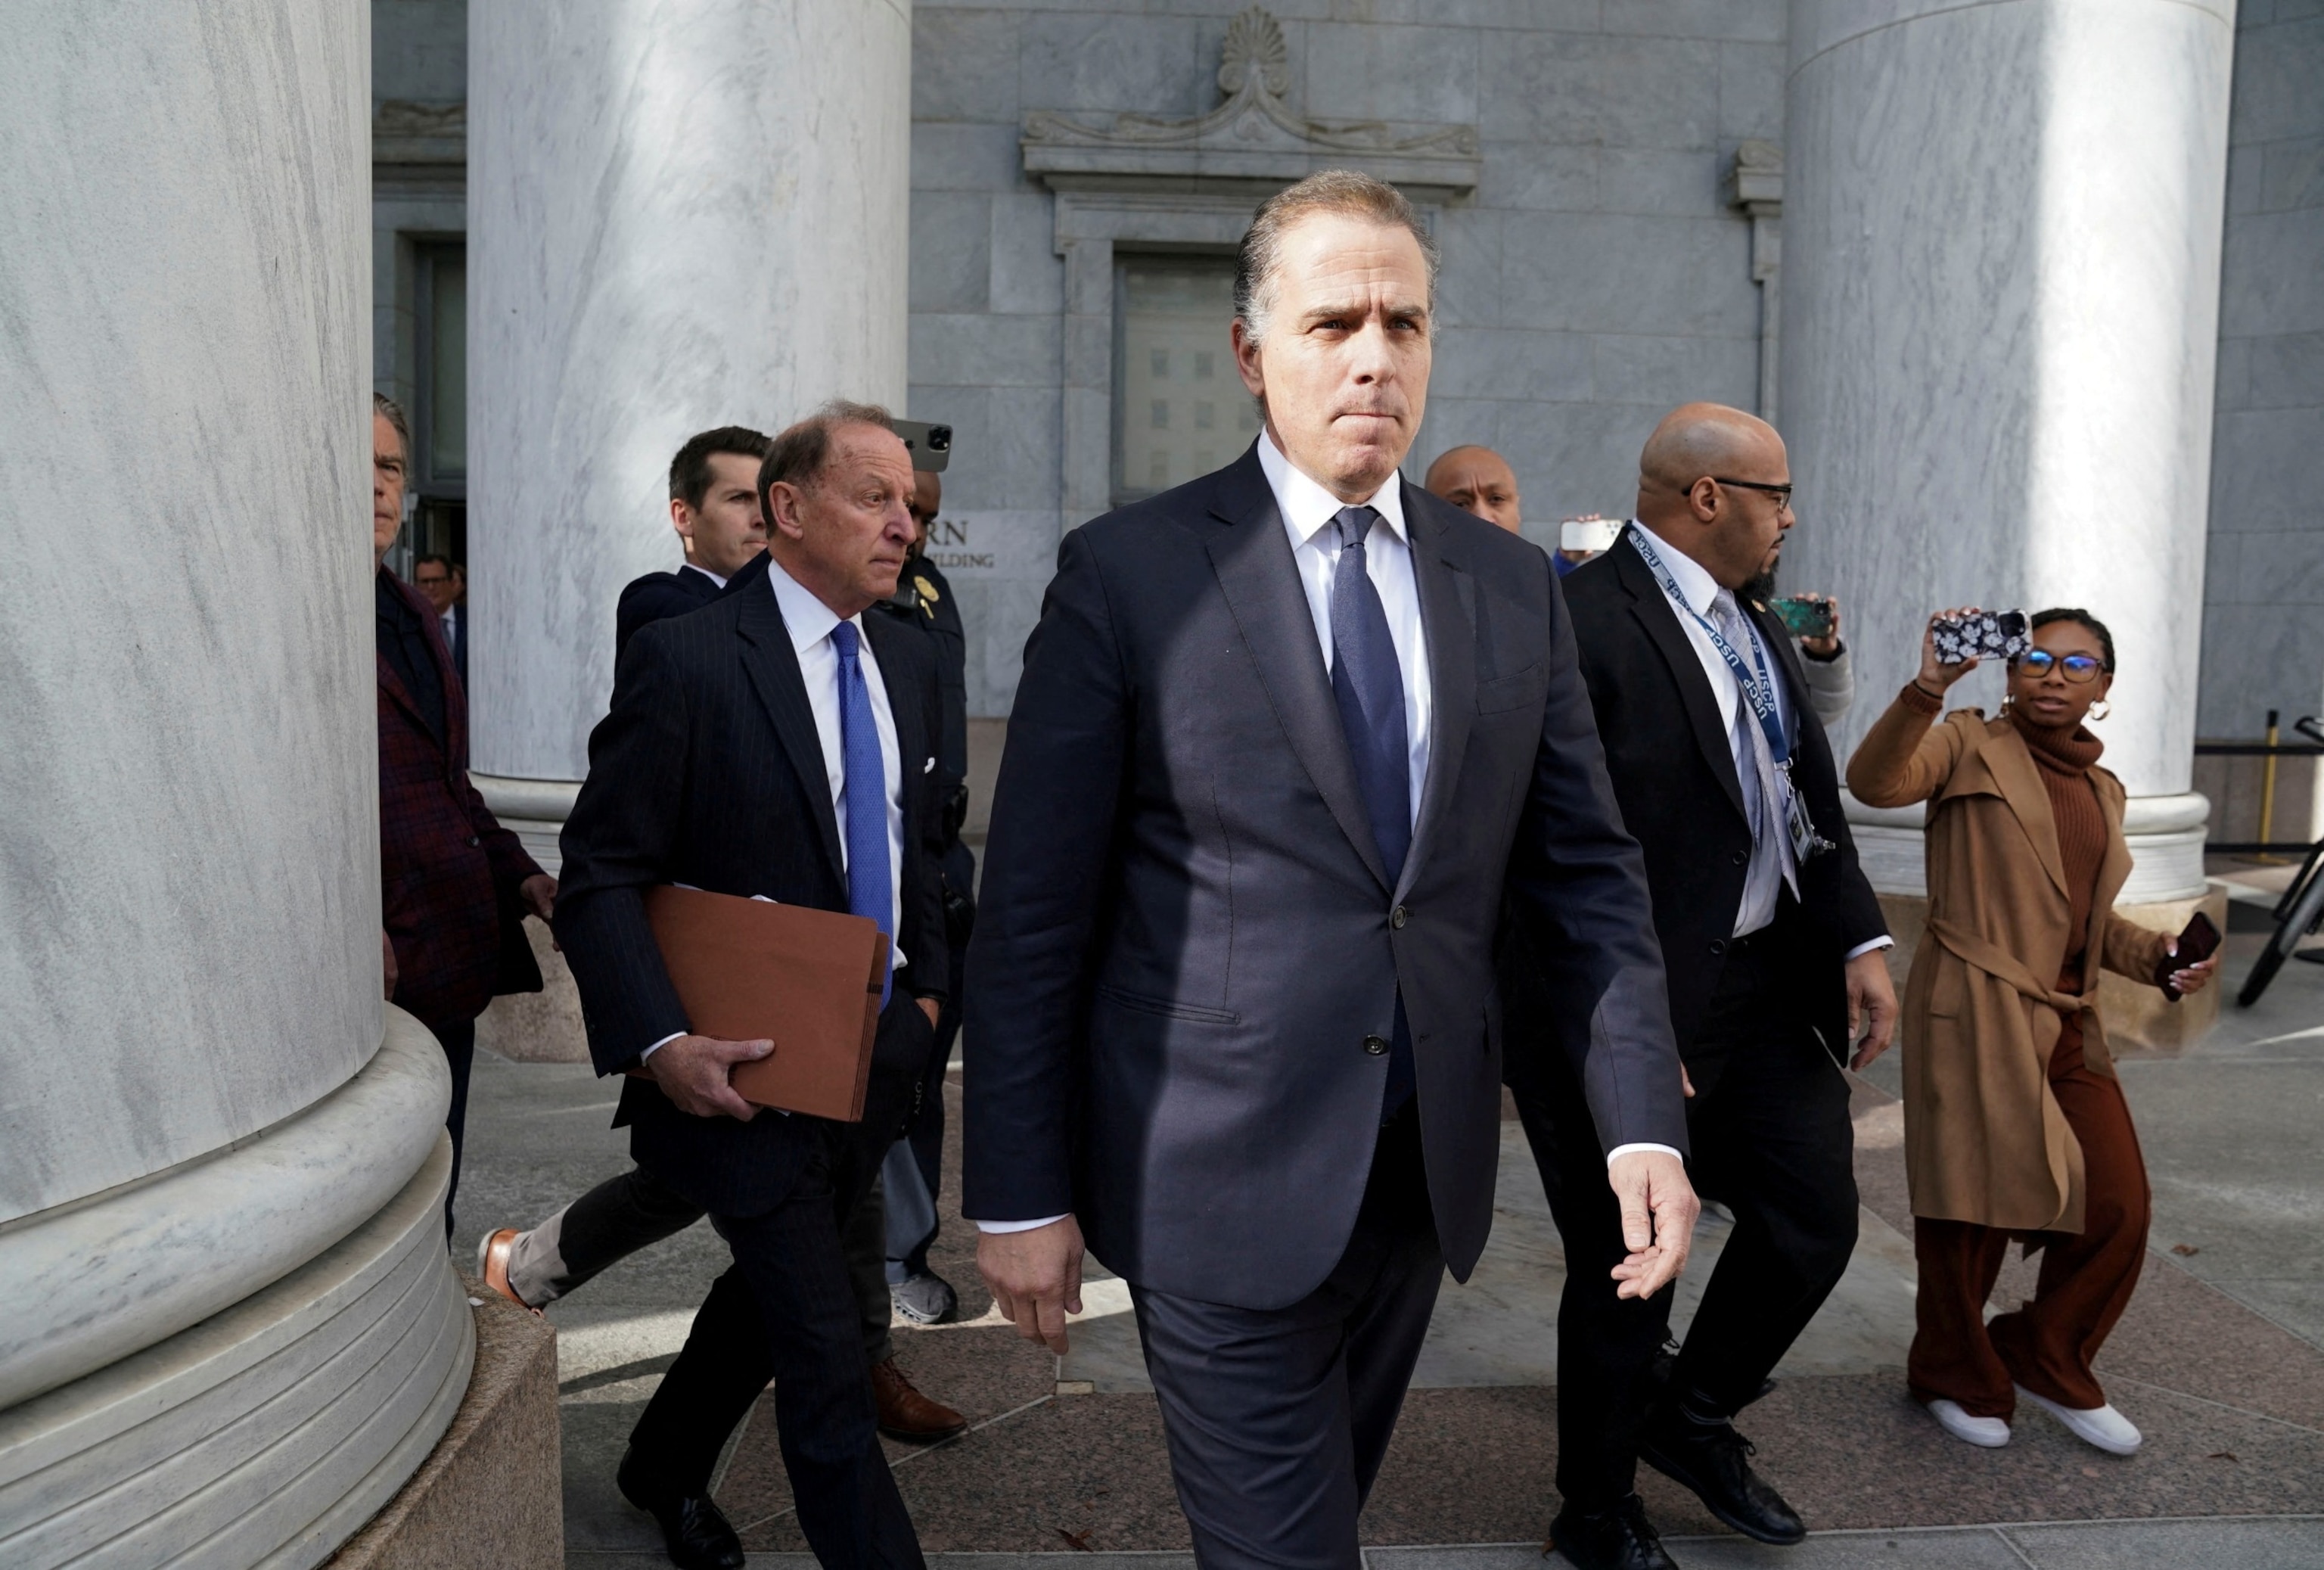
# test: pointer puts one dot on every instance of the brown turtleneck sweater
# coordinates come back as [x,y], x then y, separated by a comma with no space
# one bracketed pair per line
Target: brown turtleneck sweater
[2064,756]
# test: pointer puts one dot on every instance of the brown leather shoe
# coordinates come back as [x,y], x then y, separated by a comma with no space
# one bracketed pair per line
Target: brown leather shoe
[491,1265]
[906,1414]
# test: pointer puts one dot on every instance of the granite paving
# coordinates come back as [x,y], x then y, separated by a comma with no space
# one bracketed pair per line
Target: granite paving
[2220,1359]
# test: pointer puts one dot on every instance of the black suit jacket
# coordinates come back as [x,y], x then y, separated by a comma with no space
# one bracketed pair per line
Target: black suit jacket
[657,597]
[708,772]
[1184,933]
[1675,772]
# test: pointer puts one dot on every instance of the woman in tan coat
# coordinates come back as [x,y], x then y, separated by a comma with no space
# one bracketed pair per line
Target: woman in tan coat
[2014,1124]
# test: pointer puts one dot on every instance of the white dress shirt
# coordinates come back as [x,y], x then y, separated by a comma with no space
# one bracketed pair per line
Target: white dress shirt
[450,622]
[809,622]
[1697,589]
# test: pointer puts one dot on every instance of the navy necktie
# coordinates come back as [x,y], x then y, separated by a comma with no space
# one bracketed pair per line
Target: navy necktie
[1368,687]
[866,787]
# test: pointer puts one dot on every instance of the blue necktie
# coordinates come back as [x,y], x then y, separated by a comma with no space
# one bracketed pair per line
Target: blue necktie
[866,785]
[1368,687]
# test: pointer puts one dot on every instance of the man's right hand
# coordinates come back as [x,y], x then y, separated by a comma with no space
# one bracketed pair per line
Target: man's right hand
[1658,1212]
[1036,1275]
[693,1070]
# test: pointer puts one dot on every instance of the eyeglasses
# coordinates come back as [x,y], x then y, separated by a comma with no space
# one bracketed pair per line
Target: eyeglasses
[1782,493]
[2079,669]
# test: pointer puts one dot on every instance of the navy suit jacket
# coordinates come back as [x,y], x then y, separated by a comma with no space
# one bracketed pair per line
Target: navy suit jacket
[708,772]
[1185,933]
[657,597]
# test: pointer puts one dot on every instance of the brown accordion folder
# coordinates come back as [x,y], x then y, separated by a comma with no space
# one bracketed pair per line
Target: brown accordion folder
[806,980]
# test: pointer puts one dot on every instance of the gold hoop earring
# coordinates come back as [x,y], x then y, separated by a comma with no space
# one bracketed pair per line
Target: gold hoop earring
[2100,709]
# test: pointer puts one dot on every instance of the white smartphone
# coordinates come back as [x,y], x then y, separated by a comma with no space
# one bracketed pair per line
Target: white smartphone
[1593,535]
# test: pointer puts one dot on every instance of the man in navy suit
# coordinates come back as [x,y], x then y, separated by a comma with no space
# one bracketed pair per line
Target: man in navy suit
[1279,735]
[714,506]
[432,576]
[778,742]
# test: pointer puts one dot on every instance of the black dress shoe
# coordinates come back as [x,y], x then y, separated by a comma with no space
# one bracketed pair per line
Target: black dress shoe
[1712,1459]
[695,1531]
[1621,1538]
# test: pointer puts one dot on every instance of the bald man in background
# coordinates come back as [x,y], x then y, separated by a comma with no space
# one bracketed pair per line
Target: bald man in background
[1479,482]
[1771,941]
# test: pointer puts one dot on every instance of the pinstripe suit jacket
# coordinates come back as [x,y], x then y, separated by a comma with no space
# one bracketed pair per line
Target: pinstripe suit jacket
[708,772]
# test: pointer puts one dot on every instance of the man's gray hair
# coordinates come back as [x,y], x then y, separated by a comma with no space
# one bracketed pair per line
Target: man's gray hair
[797,454]
[381,404]
[1331,190]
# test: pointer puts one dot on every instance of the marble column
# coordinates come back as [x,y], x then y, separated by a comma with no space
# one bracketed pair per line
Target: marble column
[220,1155]
[679,217]
[2002,232]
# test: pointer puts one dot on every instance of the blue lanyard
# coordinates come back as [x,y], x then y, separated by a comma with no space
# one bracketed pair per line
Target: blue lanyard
[1758,690]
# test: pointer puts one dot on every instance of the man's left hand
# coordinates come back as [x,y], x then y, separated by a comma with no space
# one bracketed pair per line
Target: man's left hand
[539,893]
[1659,1209]
[928,1007]
[1871,1006]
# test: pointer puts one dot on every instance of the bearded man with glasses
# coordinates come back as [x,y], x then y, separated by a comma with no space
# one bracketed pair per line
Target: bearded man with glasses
[1771,939]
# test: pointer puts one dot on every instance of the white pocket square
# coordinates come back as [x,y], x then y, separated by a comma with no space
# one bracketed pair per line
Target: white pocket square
[929,767]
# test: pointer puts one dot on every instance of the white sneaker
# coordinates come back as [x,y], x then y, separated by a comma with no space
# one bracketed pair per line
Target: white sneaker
[1991,1433]
[2103,1427]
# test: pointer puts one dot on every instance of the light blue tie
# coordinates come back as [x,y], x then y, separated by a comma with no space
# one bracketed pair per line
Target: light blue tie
[866,784]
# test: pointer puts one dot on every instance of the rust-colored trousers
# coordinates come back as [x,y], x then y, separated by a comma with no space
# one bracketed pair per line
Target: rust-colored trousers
[2086,1281]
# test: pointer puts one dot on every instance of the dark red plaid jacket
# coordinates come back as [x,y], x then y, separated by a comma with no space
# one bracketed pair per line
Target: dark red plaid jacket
[449,872]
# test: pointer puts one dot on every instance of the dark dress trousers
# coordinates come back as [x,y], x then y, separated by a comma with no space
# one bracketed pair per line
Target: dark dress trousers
[657,596]
[1187,962]
[708,772]
[449,872]
[1761,1024]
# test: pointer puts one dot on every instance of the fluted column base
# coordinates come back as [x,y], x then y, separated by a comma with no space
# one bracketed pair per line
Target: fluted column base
[268,1431]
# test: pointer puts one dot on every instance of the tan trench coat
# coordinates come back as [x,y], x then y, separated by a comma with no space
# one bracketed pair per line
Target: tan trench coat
[1985,1141]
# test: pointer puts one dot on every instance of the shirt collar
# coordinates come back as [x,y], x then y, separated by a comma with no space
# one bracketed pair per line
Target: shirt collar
[1307,507]
[1694,581]
[809,620]
[713,578]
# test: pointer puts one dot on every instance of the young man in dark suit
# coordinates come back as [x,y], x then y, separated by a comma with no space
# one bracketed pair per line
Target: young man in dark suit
[1280,734]
[455,886]
[714,507]
[1771,940]
[775,743]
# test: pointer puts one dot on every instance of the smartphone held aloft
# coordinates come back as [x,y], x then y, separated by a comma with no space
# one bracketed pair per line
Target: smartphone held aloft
[1982,634]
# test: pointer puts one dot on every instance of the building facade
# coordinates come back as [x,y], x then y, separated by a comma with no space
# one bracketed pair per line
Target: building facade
[1614,247]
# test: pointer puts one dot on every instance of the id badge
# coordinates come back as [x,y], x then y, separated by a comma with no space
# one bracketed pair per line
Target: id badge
[1806,843]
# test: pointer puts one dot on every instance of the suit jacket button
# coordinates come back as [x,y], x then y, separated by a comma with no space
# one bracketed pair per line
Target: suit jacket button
[1376,1044]
[1398,916]
[473,842]
[1741,858]
[1718,945]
